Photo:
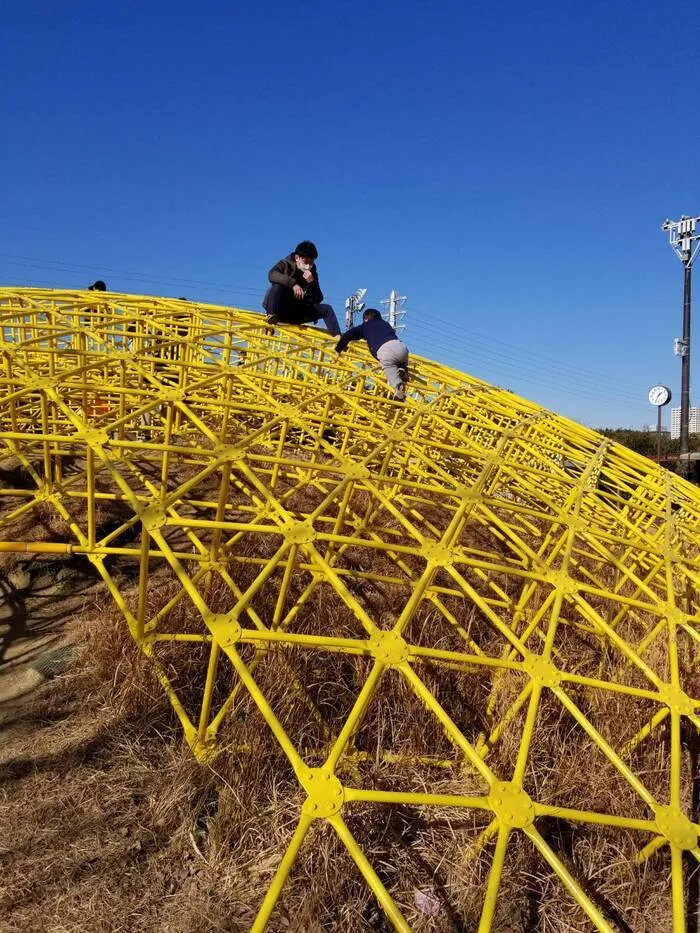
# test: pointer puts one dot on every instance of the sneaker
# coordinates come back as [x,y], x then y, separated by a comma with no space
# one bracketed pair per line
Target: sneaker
[400,393]
[272,319]
[403,374]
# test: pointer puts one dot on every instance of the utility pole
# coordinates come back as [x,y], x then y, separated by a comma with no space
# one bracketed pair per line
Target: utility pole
[396,313]
[354,305]
[685,243]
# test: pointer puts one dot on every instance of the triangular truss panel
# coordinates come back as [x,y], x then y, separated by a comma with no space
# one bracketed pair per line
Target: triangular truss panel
[460,604]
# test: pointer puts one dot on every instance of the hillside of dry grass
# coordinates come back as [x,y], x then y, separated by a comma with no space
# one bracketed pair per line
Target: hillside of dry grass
[108,824]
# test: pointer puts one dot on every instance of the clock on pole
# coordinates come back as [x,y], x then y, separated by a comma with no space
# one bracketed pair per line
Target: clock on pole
[659,395]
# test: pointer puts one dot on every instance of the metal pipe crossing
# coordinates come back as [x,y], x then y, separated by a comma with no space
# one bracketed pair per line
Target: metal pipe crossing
[283,515]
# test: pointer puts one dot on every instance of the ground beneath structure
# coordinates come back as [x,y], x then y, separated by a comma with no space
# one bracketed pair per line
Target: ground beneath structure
[434,663]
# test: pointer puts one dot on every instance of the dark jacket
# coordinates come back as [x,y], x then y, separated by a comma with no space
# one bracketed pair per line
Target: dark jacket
[376,332]
[288,274]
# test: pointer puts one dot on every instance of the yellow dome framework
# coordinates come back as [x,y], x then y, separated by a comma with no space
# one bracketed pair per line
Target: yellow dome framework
[300,516]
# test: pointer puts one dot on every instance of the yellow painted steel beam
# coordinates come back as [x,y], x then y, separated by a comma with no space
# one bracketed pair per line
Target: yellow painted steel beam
[287,521]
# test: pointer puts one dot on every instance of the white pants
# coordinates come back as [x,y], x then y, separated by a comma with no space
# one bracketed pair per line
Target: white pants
[393,355]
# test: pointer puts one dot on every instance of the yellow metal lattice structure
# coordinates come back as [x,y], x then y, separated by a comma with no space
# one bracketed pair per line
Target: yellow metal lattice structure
[297,511]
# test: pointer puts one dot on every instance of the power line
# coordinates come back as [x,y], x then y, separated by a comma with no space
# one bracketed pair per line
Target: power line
[529,354]
[145,277]
[510,376]
[511,362]
[515,352]
[477,351]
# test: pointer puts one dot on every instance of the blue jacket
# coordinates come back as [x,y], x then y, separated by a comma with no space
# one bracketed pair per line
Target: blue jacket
[376,332]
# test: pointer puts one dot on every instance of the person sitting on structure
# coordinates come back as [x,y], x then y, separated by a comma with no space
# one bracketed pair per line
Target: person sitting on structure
[385,346]
[294,295]
[96,318]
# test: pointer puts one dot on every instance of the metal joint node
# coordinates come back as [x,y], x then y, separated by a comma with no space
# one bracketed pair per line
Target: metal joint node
[44,382]
[389,648]
[227,453]
[153,518]
[171,395]
[147,644]
[290,413]
[356,471]
[325,792]
[676,827]
[541,670]
[511,804]
[438,554]
[94,437]
[677,700]
[562,582]
[299,532]
[216,566]
[225,629]
[675,615]
[204,750]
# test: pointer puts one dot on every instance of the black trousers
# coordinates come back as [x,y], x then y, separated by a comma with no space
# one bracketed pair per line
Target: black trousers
[280,301]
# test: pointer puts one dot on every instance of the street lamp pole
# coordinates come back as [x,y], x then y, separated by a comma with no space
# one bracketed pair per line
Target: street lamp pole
[685,362]
[685,243]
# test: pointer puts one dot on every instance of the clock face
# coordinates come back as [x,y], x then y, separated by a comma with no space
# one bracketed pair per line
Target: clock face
[659,395]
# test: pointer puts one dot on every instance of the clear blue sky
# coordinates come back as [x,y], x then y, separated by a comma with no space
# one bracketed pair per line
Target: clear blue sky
[506,165]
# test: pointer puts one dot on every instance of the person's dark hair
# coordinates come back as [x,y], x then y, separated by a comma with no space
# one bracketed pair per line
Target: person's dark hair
[98,286]
[306,249]
[371,314]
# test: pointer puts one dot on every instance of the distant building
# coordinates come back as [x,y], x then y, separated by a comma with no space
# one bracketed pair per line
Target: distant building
[693,422]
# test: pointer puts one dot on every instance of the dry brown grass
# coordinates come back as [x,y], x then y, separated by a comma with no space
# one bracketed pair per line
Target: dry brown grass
[108,824]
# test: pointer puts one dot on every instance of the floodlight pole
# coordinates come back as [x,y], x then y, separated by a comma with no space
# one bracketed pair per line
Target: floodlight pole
[685,364]
[685,243]
[353,305]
